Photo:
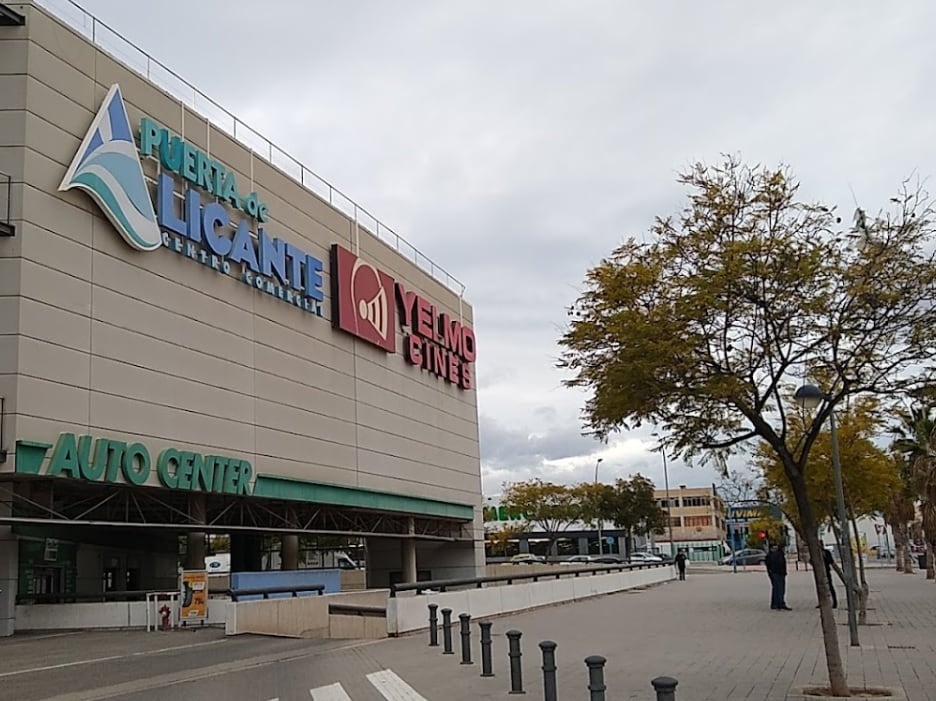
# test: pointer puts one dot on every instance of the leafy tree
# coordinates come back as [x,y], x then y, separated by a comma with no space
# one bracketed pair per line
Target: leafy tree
[632,507]
[706,327]
[916,439]
[499,537]
[868,474]
[552,507]
[774,529]
[901,511]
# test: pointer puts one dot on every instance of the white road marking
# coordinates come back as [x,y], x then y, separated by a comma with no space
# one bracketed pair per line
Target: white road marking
[332,692]
[392,688]
[78,663]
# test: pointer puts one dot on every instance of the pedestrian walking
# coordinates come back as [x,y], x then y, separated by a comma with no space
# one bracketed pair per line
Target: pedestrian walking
[827,559]
[681,563]
[777,572]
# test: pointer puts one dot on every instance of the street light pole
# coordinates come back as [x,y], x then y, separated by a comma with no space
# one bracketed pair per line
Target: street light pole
[810,397]
[669,504]
[600,544]
[846,538]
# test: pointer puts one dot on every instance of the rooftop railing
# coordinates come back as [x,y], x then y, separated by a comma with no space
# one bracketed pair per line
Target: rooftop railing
[126,52]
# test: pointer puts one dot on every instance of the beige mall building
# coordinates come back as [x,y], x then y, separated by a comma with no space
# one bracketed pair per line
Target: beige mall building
[199,336]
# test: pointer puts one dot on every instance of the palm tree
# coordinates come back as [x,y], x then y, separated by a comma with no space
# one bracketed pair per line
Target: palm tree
[916,440]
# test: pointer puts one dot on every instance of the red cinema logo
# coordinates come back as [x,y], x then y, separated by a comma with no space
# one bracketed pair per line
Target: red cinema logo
[362,299]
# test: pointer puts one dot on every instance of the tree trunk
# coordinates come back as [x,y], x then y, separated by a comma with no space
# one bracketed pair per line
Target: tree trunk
[908,553]
[929,536]
[901,548]
[838,683]
[864,590]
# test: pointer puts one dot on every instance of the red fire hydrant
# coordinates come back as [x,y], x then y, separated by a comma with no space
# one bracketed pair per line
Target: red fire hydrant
[165,612]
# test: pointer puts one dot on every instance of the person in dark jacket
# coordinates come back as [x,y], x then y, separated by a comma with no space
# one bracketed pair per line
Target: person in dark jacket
[827,559]
[680,560]
[776,570]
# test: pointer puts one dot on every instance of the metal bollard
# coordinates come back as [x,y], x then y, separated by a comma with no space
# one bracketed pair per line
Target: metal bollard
[465,621]
[486,667]
[447,632]
[596,683]
[550,692]
[433,626]
[513,652]
[665,688]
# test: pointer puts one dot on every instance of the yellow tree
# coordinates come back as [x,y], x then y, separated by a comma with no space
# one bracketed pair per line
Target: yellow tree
[552,507]
[706,326]
[869,475]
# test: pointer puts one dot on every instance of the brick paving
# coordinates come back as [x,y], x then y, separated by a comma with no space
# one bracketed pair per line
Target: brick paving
[715,633]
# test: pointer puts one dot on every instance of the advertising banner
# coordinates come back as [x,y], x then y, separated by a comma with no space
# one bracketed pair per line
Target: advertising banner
[194,589]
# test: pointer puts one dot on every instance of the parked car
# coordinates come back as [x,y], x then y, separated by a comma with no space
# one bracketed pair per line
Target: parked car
[578,560]
[606,559]
[640,558]
[748,556]
[527,559]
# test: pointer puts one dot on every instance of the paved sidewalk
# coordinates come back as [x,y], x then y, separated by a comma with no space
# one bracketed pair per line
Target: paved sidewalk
[715,633]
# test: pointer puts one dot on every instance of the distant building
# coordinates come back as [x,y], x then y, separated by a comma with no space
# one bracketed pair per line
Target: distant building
[698,517]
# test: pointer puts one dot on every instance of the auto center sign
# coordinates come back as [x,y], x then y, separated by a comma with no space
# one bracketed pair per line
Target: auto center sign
[216,224]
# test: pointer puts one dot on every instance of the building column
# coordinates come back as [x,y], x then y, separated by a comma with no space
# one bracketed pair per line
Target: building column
[409,553]
[9,576]
[195,546]
[289,552]
[246,552]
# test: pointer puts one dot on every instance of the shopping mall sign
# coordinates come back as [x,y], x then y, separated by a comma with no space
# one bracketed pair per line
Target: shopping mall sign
[108,460]
[214,223]
[365,304]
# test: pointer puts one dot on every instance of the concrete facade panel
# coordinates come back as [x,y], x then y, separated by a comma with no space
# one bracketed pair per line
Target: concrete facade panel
[160,348]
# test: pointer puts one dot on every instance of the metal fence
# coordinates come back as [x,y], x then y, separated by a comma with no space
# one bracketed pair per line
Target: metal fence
[188,95]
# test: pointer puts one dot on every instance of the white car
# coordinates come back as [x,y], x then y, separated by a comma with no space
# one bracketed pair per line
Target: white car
[638,558]
[578,560]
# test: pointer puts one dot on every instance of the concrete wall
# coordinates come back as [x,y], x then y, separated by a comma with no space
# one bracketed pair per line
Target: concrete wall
[308,619]
[130,614]
[409,612]
[158,348]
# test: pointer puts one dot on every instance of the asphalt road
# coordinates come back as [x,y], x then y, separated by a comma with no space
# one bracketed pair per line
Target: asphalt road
[97,665]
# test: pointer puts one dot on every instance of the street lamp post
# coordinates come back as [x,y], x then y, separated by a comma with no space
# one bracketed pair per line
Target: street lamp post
[669,504]
[600,545]
[810,397]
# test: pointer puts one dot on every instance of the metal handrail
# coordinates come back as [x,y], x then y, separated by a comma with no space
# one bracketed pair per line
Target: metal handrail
[366,610]
[265,592]
[102,596]
[442,585]
[126,52]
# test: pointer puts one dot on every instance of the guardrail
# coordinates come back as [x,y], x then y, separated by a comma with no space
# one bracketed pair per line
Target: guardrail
[365,610]
[98,597]
[442,585]
[265,592]
[130,55]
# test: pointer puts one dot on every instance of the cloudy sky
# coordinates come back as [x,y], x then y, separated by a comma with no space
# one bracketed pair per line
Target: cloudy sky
[517,143]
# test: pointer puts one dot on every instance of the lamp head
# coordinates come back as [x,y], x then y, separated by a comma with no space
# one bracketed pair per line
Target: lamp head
[809,396]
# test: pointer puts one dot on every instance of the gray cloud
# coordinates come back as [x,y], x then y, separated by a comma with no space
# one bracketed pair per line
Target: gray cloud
[518,143]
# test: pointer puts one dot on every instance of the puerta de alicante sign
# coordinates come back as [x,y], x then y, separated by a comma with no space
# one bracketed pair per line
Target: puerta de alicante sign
[108,460]
[218,226]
